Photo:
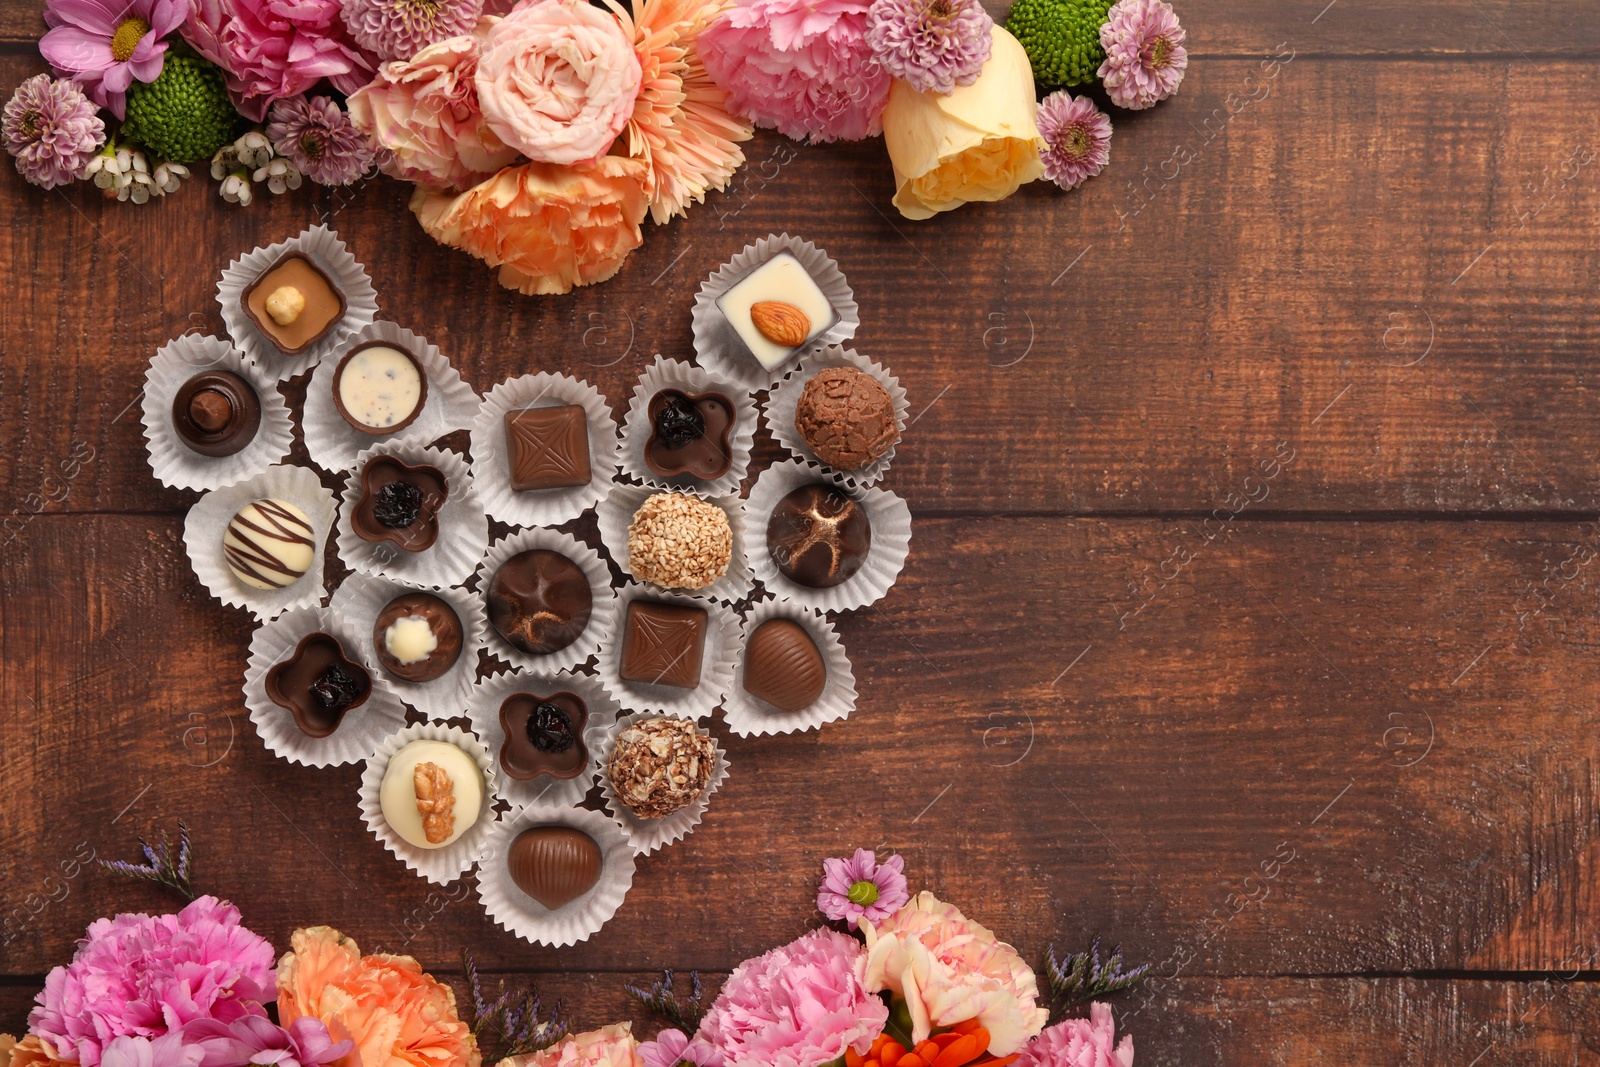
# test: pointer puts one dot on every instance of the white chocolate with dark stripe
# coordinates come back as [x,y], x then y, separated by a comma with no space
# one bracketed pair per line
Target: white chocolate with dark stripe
[269,544]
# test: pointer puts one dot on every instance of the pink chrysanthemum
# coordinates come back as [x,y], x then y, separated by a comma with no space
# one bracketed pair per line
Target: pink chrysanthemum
[1145,54]
[145,976]
[673,1047]
[801,1005]
[399,29]
[801,67]
[52,129]
[1079,1043]
[319,139]
[861,886]
[1077,136]
[932,45]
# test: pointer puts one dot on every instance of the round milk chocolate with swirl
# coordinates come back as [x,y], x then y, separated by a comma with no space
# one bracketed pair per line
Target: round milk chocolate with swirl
[818,536]
[269,544]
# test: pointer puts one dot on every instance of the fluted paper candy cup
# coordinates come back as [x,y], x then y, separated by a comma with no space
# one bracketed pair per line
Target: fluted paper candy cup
[749,716]
[207,521]
[438,865]
[361,730]
[175,464]
[358,603]
[541,507]
[483,709]
[463,525]
[603,606]
[647,835]
[575,921]
[616,515]
[691,380]
[979,142]
[717,658]
[323,247]
[785,398]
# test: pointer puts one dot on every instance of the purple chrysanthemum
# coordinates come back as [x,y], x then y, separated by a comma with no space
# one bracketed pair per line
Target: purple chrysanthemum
[1145,54]
[105,45]
[861,886]
[52,129]
[399,29]
[1077,137]
[319,139]
[673,1047]
[932,45]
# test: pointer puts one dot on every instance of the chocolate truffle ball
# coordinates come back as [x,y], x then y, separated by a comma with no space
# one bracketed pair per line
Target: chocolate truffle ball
[540,601]
[417,637]
[846,417]
[818,536]
[679,542]
[661,766]
[269,544]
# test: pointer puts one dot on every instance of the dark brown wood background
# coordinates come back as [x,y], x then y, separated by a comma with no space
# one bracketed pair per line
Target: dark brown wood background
[1136,657]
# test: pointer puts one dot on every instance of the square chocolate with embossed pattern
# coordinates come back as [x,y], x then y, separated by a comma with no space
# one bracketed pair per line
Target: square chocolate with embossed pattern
[663,644]
[548,448]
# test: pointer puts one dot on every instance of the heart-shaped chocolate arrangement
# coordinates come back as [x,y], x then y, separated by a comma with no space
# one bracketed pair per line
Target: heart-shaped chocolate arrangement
[689,434]
[554,865]
[399,503]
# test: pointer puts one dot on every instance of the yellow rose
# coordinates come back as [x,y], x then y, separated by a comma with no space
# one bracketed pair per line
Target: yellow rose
[977,143]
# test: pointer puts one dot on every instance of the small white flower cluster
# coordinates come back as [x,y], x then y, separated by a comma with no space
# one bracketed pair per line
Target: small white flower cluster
[251,159]
[125,174]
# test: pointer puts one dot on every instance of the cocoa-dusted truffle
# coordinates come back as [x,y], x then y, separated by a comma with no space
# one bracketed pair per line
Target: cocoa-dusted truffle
[661,766]
[846,417]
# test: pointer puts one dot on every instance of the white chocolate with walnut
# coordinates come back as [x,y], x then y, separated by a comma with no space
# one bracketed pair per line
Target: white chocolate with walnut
[410,812]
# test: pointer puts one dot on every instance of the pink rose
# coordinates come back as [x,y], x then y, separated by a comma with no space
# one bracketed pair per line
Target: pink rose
[557,80]
[425,111]
[270,49]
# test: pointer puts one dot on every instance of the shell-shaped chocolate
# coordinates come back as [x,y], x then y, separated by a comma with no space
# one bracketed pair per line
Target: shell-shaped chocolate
[783,666]
[554,865]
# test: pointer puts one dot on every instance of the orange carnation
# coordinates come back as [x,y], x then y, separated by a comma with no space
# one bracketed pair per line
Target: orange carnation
[28,1052]
[546,227]
[397,1015]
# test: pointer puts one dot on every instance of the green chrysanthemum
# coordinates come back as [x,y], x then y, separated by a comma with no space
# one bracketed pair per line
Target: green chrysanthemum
[1061,37]
[185,114]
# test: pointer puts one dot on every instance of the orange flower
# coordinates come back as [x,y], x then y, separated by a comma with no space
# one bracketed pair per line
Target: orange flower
[25,1053]
[397,1015]
[546,227]
[963,1045]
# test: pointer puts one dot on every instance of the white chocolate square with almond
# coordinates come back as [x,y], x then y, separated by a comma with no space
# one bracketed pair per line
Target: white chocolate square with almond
[783,282]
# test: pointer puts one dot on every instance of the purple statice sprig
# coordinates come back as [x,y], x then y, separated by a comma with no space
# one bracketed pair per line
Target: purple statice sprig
[163,865]
[509,1022]
[661,997]
[931,45]
[1081,976]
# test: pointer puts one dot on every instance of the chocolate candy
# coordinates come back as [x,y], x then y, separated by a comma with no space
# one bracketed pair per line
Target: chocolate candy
[663,643]
[689,434]
[269,545]
[554,865]
[540,601]
[379,389]
[216,413]
[399,503]
[548,448]
[846,417]
[679,541]
[776,309]
[417,637]
[318,684]
[783,666]
[307,303]
[818,536]
[661,766]
[544,735]
[431,793]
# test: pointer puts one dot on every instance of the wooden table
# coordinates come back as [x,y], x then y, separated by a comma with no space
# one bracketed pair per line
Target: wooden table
[1250,616]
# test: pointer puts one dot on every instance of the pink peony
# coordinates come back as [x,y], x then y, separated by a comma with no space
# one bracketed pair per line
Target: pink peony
[270,49]
[861,886]
[609,1046]
[1145,53]
[801,1005]
[168,1050]
[1079,1043]
[425,112]
[143,977]
[949,969]
[801,67]
[557,80]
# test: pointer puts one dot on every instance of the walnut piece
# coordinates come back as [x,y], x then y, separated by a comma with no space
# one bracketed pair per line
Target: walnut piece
[436,802]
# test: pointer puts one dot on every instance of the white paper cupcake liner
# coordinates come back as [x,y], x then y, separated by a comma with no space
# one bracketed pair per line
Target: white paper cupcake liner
[719,347]
[334,444]
[616,515]
[541,507]
[483,709]
[208,520]
[463,525]
[687,378]
[438,865]
[785,396]
[750,716]
[576,920]
[323,247]
[647,835]
[716,663]
[891,539]
[175,464]
[360,731]
[600,614]
[357,604]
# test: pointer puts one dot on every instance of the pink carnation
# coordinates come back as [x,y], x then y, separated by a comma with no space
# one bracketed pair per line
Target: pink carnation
[609,1046]
[270,49]
[142,976]
[557,80]
[801,67]
[797,1006]
[1079,1043]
